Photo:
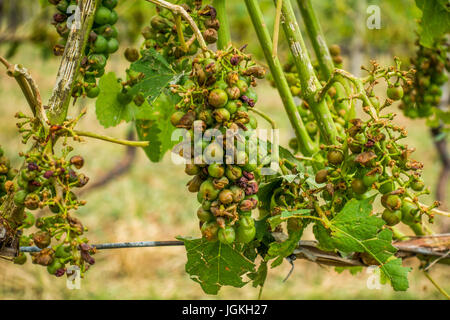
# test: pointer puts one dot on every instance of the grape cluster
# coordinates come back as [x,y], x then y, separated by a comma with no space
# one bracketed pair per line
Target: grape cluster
[7,174]
[335,52]
[430,63]
[218,96]
[163,37]
[370,161]
[46,181]
[102,42]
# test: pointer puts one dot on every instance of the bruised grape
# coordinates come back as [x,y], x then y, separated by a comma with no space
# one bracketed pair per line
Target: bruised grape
[335,157]
[417,185]
[221,115]
[42,239]
[391,217]
[321,176]
[131,54]
[226,196]
[395,92]
[227,235]
[176,118]
[204,215]
[242,85]
[192,169]
[77,161]
[210,35]
[208,191]
[32,201]
[358,186]
[216,170]
[391,201]
[233,172]
[210,230]
[218,98]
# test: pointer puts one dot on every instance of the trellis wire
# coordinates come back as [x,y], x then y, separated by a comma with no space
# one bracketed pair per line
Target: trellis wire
[121,245]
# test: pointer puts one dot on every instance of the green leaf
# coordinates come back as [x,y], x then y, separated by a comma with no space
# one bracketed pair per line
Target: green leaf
[158,74]
[353,270]
[280,250]
[259,277]
[265,192]
[157,129]
[285,215]
[354,229]
[110,112]
[435,21]
[213,264]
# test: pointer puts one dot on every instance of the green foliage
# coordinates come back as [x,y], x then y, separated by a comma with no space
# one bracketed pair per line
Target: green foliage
[354,229]
[110,112]
[158,74]
[435,21]
[280,250]
[214,264]
[278,219]
[157,129]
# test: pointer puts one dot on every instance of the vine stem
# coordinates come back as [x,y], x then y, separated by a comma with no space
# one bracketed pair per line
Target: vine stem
[129,143]
[437,286]
[339,75]
[266,117]
[29,89]
[224,35]
[180,32]
[276,28]
[316,37]
[308,80]
[320,47]
[307,146]
[436,211]
[69,68]
[181,11]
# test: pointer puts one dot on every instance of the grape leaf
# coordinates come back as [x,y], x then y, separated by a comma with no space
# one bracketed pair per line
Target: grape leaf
[353,270]
[110,112]
[435,21]
[259,276]
[354,229]
[280,250]
[158,74]
[285,215]
[157,129]
[265,192]
[213,264]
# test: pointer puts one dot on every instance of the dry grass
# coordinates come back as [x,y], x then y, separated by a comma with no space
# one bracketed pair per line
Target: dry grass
[152,203]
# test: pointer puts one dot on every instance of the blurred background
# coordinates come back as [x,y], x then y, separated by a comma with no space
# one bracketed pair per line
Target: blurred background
[149,201]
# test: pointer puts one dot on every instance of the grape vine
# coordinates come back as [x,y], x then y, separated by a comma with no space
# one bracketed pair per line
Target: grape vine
[349,175]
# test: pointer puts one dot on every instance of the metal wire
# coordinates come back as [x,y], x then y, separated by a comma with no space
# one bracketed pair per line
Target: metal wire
[121,245]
